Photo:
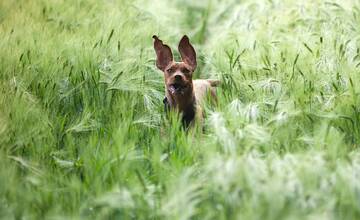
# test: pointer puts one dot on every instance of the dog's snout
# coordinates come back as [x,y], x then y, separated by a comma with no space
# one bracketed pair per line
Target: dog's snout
[178,77]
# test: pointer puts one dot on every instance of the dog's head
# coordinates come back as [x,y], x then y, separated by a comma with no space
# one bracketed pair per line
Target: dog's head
[178,75]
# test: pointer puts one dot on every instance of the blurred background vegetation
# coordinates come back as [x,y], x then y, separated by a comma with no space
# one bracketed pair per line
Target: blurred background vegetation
[82,128]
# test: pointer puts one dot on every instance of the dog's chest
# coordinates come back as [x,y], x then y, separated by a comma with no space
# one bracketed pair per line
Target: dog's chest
[188,114]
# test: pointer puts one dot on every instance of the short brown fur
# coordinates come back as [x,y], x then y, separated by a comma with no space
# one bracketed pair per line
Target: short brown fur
[182,93]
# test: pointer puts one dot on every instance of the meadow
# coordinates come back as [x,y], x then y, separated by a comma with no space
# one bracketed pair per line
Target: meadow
[84,135]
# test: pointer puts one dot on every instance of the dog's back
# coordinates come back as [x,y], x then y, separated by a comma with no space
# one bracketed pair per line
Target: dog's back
[202,87]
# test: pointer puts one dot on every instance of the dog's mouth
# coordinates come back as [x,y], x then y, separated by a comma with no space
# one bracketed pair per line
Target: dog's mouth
[176,88]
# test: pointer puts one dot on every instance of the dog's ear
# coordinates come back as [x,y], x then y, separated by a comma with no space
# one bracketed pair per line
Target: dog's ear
[187,52]
[163,54]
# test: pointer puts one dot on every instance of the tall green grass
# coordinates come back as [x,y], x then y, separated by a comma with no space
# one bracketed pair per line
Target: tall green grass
[83,133]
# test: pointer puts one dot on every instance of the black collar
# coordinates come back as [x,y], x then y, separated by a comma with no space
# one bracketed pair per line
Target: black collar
[166,104]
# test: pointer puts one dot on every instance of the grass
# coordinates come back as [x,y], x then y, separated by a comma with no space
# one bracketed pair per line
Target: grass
[83,134]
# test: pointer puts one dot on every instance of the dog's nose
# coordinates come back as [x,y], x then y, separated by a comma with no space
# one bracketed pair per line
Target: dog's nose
[178,77]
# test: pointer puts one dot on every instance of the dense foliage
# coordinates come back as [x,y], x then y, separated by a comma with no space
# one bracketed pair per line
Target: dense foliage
[83,134]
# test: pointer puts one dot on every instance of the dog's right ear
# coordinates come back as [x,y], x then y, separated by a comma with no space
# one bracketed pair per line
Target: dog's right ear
[187,52]
[163,54]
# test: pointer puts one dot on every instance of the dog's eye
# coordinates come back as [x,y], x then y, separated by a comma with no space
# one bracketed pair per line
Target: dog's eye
[185,70]
[171,70]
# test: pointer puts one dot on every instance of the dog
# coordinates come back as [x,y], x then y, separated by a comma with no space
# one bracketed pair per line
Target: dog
[182,93]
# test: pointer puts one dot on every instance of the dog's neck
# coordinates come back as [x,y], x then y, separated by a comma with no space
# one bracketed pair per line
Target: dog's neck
[184,103]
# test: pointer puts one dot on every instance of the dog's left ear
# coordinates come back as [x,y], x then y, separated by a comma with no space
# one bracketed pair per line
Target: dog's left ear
[187,52]
[163,54]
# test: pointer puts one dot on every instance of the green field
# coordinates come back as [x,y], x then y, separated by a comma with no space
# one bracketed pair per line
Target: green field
[84,135]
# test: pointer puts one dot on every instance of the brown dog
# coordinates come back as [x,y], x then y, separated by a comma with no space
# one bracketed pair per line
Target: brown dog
[181,92]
